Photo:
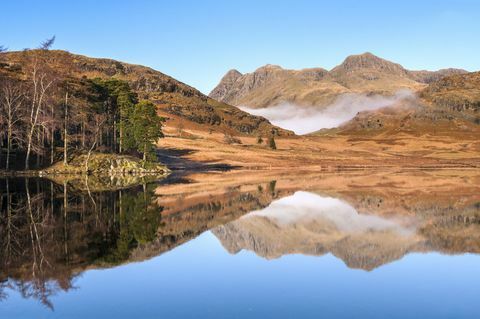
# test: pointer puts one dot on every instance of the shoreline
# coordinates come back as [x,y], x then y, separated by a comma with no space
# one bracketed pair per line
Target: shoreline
[220,167]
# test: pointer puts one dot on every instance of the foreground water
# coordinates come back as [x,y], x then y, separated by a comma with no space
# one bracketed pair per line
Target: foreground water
[236,246]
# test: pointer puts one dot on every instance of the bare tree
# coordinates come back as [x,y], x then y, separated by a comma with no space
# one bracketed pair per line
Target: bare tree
[12,99]
[41,82]
[65,132]
[99,122]
[47,44]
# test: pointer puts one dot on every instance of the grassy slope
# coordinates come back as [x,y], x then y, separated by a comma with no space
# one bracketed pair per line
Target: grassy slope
[428,134]
[174,98]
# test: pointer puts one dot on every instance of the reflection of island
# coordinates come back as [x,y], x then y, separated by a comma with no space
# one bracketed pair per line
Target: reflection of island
[310,224]
[51,233]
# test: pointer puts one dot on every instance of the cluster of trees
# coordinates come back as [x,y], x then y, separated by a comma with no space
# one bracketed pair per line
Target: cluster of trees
[270,142]
[46,113]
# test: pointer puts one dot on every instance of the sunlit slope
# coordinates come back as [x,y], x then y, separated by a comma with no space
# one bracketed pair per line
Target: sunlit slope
[174,99]
[365,73]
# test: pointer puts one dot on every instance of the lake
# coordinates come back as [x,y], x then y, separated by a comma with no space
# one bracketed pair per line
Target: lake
[244,244]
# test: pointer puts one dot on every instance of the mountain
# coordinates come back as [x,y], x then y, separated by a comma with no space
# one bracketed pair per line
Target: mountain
[459,92]
[175,100]
[365,73]
[449,106]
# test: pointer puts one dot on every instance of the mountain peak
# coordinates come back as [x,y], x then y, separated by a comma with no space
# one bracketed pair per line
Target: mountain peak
[232,75]
[368,62]
[366,56]
[268,67]
[228,81]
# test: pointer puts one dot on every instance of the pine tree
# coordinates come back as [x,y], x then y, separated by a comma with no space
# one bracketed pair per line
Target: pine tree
[271,143]
[147,128]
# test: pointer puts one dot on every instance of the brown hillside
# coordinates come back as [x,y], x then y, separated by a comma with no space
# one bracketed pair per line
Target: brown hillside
[175,99]
[446,107]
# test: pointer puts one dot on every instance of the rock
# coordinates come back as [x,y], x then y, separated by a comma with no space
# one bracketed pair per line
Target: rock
[107,165]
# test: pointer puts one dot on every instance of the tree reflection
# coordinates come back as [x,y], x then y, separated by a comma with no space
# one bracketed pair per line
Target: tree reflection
[49,233]
[53,232]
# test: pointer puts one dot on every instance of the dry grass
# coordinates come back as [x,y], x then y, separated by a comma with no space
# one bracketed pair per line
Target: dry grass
[331,151]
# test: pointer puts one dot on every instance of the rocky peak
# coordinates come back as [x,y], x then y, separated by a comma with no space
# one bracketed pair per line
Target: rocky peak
[433,76]
[369,61]
[234,85]
[231,76]
[269,67]
[223,88]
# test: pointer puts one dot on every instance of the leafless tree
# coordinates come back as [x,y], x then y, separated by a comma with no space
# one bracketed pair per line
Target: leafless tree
[11,105]
[65,131]
[47,44]
[100,120]
[40,85]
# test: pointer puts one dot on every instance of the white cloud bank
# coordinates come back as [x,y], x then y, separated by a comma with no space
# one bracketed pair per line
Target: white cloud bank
[305,207]
[304,120]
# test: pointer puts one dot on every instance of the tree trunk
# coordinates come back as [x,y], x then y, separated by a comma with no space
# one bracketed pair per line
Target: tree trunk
[144,155]
[29,149]
[83,135]
[9,146]
[121,138]
[52,138]
[65,230]
[65,134]
[88,156]
[9,219]
[114,136]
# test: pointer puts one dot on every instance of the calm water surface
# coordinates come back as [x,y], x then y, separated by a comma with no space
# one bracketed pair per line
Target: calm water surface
[332,247]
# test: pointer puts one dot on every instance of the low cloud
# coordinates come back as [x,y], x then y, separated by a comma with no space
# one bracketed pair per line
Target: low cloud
[304,120]
[305,207]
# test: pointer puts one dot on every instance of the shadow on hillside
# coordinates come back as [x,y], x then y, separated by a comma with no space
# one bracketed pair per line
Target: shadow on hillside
[176,161]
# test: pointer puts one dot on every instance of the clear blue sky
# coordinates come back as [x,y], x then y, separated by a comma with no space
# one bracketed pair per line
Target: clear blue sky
[198,41]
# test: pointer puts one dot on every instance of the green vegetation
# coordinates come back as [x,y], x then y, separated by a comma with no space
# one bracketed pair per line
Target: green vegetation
[138,224]
[147,128]
[51,115]
[271,143]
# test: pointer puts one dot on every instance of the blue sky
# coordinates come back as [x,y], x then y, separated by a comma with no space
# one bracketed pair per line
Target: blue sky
[198,41]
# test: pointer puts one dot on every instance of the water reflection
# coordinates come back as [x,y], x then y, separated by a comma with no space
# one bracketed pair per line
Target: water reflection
[310,224]
[372,220]
[49,234]
[53,232]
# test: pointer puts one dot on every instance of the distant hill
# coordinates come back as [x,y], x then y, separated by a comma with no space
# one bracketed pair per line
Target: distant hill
[365,73]
[460,92]
[449,106]
[173,98]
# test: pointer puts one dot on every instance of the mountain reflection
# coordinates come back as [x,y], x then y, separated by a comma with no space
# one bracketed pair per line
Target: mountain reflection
[310,224]
[306,223]
[51,232]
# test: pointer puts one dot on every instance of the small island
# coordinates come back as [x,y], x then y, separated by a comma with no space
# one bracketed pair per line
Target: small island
[63,126]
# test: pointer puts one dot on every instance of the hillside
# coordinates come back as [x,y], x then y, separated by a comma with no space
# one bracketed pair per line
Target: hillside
[449,106]
[440,128]
[365,73]
[175,100]
[459,92]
